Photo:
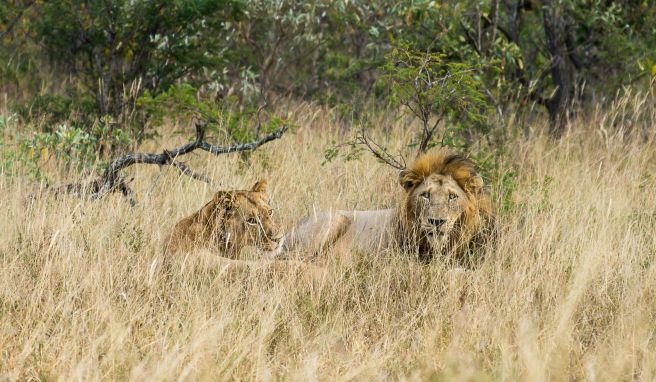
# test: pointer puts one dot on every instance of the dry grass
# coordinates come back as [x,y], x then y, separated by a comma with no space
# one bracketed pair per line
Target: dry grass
[569,293]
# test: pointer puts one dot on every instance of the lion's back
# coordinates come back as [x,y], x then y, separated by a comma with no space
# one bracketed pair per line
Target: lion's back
[343,229]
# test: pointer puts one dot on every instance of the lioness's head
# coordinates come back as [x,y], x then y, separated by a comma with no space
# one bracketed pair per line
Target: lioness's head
[445,198]
[245,218]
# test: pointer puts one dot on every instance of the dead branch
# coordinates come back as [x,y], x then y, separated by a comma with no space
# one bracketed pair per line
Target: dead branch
[111,181]
[92,187]
[189,172]
[380,152]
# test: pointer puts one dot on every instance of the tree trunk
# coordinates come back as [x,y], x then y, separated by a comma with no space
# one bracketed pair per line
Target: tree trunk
[562,71]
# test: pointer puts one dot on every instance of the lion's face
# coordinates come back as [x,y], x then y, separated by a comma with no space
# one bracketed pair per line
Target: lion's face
[249,220]
[437,205]
[445,200]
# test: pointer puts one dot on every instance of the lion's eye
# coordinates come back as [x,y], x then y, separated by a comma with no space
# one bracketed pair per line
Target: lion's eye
[270,212]
[452,196]
[425,195]
[252,221]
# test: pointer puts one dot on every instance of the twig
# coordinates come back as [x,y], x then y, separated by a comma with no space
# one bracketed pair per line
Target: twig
[380,152]
[259,121]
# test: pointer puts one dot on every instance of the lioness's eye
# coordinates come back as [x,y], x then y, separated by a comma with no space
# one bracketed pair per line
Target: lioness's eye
[252,221]
[425,195]
[453,196]
[270,212]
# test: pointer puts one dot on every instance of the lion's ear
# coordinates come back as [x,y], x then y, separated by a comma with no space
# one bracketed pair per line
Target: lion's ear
[260,186]
[408,179]
[474,184]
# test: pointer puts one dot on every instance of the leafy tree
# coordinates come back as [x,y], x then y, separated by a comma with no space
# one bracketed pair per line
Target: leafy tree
[116,48]
[557,54]
[221,118]
[111,52]
[435,90]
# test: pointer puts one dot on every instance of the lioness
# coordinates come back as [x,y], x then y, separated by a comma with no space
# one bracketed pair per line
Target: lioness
[213,236]
[444,209]
[229,222]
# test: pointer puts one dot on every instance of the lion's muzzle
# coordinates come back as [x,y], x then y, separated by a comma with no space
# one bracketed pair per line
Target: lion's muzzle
[437,223]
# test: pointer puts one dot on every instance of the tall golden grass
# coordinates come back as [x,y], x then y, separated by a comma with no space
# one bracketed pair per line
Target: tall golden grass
[567,293]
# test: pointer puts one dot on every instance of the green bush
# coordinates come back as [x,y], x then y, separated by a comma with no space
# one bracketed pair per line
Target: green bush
[73,146]
[227,122]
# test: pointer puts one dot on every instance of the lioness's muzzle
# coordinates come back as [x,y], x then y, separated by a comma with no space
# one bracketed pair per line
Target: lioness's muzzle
[275,238]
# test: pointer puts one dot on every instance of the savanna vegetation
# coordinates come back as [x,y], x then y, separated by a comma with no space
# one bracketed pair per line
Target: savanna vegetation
[553,101]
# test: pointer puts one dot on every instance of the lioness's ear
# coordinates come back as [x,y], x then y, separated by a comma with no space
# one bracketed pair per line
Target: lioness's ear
[260,186]
[221,203]
[225,199]
[408,179]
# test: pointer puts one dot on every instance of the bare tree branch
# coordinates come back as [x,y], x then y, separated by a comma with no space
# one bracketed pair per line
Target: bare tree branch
[111,181]
[189,172]
[216,150]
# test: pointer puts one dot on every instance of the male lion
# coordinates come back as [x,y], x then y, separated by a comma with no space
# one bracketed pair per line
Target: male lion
[229,222]
[444,210]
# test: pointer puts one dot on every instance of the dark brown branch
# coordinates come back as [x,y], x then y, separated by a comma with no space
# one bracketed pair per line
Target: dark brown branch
[111,181]
[127,193]
[216,150]
[428,135]
[92,187]
[189,172]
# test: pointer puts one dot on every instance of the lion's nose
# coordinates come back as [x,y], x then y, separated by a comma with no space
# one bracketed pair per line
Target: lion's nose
[436,222]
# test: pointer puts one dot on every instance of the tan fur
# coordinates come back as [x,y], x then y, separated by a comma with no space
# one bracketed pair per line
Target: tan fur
[444,210]
[229,222]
